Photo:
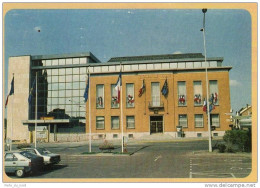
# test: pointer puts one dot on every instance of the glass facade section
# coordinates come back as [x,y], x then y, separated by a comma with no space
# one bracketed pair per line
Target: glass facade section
[60,90]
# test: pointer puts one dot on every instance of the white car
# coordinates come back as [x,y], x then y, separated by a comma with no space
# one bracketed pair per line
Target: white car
[48,157]
[22,163]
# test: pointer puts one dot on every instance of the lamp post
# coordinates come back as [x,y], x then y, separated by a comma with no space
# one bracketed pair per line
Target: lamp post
[204,10]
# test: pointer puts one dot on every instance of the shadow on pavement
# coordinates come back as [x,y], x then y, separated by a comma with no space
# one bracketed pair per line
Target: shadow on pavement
[48,169]
[138,150]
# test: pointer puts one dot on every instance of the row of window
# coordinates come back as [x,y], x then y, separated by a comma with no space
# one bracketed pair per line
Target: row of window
[149,66]
[156,95]
[198,120]
[68,61]
[183,121]
[115,122]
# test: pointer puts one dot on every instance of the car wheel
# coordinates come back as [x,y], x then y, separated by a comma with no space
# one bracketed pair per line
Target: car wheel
[19,173]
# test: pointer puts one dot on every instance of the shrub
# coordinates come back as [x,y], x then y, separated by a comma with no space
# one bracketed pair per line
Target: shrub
[221,148]
[106,145]
[239,138]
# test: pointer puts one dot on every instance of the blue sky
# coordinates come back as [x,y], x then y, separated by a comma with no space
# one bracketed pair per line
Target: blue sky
[111,33]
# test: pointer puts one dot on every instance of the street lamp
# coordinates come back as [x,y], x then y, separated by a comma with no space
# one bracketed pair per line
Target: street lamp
[204,10]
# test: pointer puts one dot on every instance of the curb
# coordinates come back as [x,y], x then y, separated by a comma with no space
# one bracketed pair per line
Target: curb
[101,155]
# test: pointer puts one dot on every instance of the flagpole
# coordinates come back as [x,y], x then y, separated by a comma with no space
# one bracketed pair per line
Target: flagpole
[206,70]
[144,100]
[36,112]
[89,106]
[11,144]
[121,111]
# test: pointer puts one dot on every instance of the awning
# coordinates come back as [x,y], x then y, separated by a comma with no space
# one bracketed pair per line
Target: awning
[50,121]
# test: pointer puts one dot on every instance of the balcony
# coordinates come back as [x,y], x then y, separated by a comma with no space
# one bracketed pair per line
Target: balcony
[155,105]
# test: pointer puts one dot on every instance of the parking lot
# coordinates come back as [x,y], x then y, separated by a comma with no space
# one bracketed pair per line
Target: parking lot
[220,166]
[147,160]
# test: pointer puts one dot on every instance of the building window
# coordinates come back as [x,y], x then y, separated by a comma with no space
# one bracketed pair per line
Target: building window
[182,101]
[155,94]
[115,122]
[197,93]
[100,96]
[130,102]
[213,91]
[100,122]
[183,120]
[214,120]
[198,120]
[114,99]
[130,122]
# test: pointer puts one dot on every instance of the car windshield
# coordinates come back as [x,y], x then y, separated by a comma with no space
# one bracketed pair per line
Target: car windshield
[28,154]
[43,151]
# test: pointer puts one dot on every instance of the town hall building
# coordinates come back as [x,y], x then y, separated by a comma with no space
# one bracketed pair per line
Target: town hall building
[161,94]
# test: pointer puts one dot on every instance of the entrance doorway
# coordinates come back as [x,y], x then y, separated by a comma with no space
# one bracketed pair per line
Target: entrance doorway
[156,124]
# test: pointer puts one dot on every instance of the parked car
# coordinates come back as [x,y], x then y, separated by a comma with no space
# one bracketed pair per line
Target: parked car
[22,163]
[48,157]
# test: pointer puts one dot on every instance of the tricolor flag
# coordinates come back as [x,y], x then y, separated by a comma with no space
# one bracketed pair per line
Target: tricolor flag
[11,92]
[211,106]
[118,86]
[32,91]
[86,91]
[204,105]
[142,89]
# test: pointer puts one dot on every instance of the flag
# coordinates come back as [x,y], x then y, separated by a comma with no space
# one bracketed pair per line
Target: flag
[118,86]
[86,91]
[31,91]
[165,88]
[211,107]
[204,105]
[142,89]
[11,92]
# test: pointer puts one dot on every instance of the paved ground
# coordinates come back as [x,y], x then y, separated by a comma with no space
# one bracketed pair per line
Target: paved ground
[218,165]
[168,159]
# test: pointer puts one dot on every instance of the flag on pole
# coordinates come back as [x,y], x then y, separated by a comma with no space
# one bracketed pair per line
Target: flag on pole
[11,92]
[86,90]
[32,91]
[118,86]
[165,89]
[205,105]
[211,106]
[142,89]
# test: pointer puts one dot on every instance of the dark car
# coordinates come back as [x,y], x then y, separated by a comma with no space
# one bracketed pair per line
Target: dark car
[48,157]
